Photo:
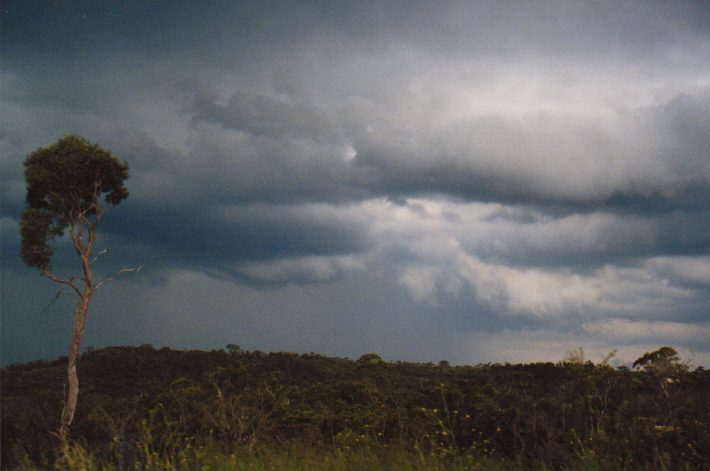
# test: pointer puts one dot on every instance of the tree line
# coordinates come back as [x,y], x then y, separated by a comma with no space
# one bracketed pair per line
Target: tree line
[139,401]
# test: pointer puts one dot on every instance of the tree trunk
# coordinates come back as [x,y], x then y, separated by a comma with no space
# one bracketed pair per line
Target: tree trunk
[82,309]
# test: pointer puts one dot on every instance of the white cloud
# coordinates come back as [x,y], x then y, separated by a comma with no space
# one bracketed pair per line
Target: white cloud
[532,292]
[542,293]
[421,282]
[452,245]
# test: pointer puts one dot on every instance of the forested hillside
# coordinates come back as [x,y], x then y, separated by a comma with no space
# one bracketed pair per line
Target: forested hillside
[139,404]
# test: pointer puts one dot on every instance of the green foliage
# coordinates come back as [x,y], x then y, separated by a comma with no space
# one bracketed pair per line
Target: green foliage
[665,360]
[575,356]
[36,229]
[233,348]
[164,409]
[64,182]
[370,359]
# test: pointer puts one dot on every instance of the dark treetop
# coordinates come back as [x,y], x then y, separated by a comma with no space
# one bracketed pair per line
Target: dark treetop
[64,185]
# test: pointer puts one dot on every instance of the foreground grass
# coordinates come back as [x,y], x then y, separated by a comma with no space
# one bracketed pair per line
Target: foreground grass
[288,459]
[299,457]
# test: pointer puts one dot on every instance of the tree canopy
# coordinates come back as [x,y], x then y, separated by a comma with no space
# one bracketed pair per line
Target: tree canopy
[64,184]
[148,405]
[665,360]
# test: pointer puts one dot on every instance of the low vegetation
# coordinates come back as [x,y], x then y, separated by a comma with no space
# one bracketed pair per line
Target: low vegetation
[143,408]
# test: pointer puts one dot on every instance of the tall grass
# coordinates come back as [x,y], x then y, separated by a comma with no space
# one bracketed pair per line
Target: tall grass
[289,458]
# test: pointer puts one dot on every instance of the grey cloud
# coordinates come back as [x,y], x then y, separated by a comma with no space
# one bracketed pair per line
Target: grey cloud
[600,27]
[263,115]
[309,269]
[204,238]
[245,168]
[683,271]
[542,159]
[585,241]
[261,148]
[548,159]
[297,144]
[513,162]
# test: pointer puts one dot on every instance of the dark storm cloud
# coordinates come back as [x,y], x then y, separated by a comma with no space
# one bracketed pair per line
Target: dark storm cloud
[210,239]
[218,30]
[584,242]
[88,29]
[534,174]
[298,144]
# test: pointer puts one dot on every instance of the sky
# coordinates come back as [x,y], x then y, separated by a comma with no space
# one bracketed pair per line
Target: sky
[470,181]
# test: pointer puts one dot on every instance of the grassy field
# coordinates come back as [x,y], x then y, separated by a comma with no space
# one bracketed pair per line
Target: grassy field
[290,459]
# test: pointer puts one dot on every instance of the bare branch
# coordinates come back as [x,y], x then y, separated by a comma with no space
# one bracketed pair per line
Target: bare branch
[91,227]
[62,281]
[116,275]
[105,250]
[59,293]
[76,234]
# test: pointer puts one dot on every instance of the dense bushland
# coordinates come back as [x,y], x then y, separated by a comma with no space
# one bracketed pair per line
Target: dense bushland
[140,405]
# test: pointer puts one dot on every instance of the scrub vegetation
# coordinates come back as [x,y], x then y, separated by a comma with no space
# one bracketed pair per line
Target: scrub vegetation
[163,409]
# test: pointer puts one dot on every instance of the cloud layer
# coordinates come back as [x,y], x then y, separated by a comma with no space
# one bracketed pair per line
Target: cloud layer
[437,181]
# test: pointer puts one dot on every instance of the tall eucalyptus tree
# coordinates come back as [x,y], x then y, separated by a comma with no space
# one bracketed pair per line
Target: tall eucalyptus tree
[65,183]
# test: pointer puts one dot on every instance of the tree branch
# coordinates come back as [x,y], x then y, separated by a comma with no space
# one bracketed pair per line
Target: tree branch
[91,225]
[105,250]
[59,293]
[76,235]
[62,281]
[116,275]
